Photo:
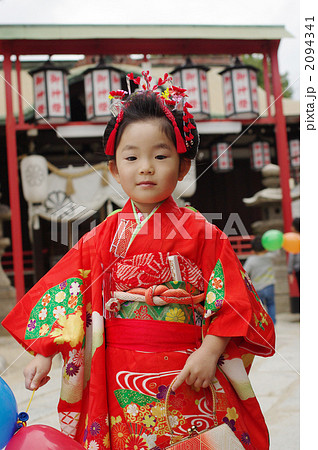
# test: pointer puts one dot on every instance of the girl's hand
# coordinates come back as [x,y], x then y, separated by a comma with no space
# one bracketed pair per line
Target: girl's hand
[199,370]
[36,372]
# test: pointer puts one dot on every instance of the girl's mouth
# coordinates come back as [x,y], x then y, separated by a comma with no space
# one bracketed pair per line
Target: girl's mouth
[146,183]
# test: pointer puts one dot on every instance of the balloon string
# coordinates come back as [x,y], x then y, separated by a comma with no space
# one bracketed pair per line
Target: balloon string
[30,400]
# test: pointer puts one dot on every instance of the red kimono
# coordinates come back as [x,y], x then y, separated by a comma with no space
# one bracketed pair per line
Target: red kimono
[125,307]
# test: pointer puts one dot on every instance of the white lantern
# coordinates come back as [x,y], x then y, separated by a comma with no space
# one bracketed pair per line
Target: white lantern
[193,78]
[34,175]
[51,94]
[222,160]
[294,152]
[240,91]
[260,155]
[98,82]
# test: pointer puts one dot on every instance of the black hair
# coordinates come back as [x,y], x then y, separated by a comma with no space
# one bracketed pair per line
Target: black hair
[296,224]
[145,105]
[257,245]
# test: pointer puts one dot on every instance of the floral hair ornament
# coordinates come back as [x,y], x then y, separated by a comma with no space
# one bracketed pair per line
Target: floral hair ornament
[117,104]
[173,97]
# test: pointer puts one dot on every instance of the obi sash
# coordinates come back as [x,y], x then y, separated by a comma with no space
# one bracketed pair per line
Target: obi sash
[151,335]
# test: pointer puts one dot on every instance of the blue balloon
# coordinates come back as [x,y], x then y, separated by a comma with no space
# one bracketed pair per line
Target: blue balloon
[8,414]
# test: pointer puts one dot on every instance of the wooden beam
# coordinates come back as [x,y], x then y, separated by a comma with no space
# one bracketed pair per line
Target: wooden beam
[129,46]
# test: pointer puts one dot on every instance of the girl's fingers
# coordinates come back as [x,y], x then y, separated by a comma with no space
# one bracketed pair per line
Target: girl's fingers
[39,380]
[29,375]
[44,381]
[180,378]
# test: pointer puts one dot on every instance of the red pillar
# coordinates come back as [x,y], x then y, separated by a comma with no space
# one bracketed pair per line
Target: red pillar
[13,175]
[281,138]
[18,71]
[267,84]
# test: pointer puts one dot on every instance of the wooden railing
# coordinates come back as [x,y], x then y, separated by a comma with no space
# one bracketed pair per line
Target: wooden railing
[7,262]
[242,245]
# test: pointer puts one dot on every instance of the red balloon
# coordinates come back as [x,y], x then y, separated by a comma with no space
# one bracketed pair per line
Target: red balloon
[41,437]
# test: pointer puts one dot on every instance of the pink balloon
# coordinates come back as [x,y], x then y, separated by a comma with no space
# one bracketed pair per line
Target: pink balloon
[41,437]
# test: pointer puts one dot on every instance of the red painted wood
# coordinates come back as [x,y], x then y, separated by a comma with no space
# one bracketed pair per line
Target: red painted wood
[13,184]
[281,141]
[128,46]
[267,84]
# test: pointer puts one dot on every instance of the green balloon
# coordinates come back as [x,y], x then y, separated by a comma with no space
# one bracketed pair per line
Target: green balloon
[272,240]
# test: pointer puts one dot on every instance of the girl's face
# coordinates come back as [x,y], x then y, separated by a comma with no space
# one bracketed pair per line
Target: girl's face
[147,164]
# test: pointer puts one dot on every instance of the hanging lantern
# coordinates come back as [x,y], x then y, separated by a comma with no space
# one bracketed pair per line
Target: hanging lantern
[34,175]
[294,152]
[240,91]
[98,82]
[193,78]
[222,160]
[51,94]
[260,155]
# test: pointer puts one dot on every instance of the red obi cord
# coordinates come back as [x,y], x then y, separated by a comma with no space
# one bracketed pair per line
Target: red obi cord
[151,335]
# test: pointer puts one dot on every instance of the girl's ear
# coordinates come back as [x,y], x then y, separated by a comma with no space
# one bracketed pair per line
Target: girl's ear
[113,170]
[184,168]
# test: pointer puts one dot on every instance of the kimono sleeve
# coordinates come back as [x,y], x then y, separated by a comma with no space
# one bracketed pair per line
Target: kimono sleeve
[232,306]
[53,312]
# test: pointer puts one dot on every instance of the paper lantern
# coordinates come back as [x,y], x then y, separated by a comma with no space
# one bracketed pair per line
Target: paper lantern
[240,91]
[98,82]
[260,155]
[193,78]
[34,174]
[51,94]
[294,152]
[222,157]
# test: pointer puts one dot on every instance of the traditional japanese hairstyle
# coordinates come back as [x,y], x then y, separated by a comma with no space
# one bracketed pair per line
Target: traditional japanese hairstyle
[149,103]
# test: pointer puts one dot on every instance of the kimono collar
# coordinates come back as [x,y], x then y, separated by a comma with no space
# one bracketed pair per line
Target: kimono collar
[167,206]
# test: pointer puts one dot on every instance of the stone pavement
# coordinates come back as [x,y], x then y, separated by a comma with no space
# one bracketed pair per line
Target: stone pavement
[275,381]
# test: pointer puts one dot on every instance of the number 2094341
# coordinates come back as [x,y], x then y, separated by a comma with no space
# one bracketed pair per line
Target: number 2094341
[309,43]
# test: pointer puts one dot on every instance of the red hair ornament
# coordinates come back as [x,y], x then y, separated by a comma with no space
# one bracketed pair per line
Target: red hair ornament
[171,97]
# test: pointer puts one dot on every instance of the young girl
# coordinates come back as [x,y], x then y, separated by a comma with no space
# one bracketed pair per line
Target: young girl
[153,293]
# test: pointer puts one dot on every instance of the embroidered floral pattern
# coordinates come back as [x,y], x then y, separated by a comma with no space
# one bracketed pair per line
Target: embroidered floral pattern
[149,421]
[72,301]
[63,285]
[95,428]
[175,315]
[135,442]
[59,311]
[215,292]
[31,325]
[75,288]
[46,299]
[231,413]
[162,392]
[142,314]
[69,329]
[93,445]
[230,423]
[245,439]
[43,314]
[55,303]
[71,369]
[119,433]
[60,297]
[44,329]
[261,320]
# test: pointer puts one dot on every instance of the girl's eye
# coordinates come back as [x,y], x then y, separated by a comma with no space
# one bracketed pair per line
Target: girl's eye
[131,158]
[161,157]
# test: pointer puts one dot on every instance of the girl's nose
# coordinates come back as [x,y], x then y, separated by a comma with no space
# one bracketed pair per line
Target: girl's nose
[146,168]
